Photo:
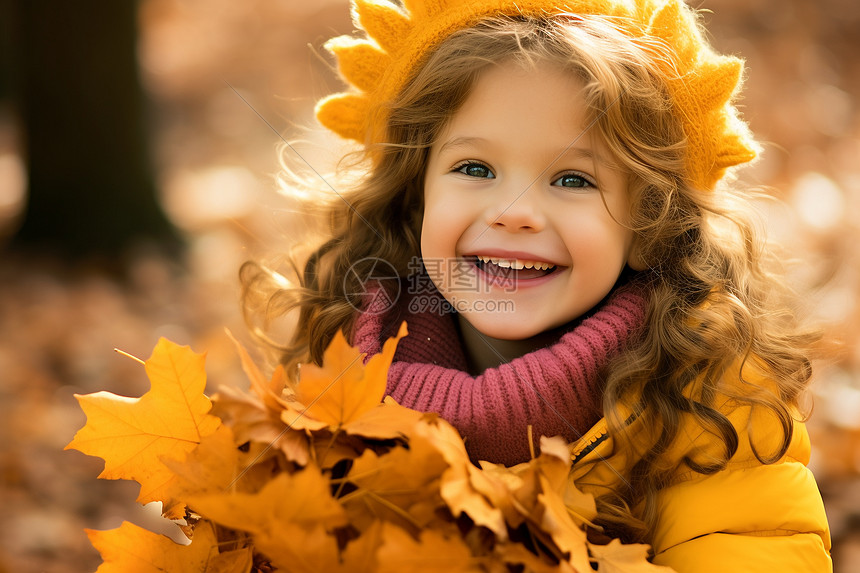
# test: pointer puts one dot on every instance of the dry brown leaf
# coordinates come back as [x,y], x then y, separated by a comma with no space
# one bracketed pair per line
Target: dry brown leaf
[130,548]
[133,435]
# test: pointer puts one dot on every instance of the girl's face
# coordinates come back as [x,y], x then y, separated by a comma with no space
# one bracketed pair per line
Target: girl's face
[516,235]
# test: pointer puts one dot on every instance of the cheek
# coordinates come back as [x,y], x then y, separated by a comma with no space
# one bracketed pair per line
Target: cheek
[433,232]
[597,239]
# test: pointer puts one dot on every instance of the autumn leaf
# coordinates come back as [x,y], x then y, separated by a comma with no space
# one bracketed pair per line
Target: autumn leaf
[401,485]
[133,435]
[554,465]
[130,548]
[456,485]
[619,558]
[517,554]
[433,552]
[212,466]
[360,555]
[252,421]
[302,498]
[300,549]
[236,561]
[268,391]
[496,482]
[565,532]
[343,388]
[386,421]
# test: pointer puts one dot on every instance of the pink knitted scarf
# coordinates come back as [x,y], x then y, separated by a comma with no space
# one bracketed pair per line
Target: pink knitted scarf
[556,390]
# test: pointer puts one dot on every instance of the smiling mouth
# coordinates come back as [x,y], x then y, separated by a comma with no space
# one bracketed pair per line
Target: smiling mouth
[518,269]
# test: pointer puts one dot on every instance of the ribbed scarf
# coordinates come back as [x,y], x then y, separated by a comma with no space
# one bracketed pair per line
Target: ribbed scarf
[557,390]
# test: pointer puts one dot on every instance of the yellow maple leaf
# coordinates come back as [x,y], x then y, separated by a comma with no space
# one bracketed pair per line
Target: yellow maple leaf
[133,435]
[131,548]
[343,388]
[619,558]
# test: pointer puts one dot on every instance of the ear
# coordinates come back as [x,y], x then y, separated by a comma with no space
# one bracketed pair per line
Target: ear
[635,260]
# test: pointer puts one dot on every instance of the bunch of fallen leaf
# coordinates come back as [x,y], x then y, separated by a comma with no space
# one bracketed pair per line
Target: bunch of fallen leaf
[326,476]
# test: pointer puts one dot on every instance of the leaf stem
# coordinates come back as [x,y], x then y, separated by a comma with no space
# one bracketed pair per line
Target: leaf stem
[127,355]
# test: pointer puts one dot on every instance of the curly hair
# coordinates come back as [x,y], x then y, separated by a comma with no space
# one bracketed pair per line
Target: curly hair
[713,305]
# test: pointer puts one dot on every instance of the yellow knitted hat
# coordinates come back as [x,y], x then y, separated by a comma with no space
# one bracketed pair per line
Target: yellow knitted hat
[398,41]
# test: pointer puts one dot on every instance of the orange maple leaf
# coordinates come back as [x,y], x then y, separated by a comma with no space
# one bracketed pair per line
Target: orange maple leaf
[133,435]
[210,467]
[253,420]
[288,519]
[433,552]
[343,388]
[401,486]
[302,499]
[456,485]
[132,548]
[619,558]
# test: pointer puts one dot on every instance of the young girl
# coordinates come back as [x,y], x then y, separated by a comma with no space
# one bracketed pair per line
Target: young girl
[546,181]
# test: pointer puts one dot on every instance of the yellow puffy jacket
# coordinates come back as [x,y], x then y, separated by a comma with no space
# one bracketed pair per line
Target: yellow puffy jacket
[747,517]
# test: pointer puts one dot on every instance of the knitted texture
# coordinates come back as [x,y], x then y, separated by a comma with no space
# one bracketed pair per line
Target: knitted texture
[556,390]
[700,82]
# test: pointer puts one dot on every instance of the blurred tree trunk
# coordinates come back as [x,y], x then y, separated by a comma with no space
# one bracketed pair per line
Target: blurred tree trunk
[91,189]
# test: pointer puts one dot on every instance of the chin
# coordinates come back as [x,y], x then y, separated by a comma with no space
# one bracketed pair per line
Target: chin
[503,327]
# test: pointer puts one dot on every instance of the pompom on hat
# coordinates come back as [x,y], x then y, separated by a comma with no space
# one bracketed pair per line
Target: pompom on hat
[700,82]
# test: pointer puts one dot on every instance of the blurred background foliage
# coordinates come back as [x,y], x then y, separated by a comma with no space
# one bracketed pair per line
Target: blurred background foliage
[137,172]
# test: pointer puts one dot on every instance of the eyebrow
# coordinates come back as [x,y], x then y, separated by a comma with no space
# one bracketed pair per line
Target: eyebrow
[460,142]
[580,152]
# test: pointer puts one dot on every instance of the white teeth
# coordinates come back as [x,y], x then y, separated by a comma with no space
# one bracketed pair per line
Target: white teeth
[516,263]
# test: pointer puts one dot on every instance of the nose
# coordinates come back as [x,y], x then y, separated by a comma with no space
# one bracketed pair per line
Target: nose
[516,212]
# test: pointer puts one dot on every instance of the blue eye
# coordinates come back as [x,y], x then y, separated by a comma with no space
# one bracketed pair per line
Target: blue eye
[572,180]
[473,169]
